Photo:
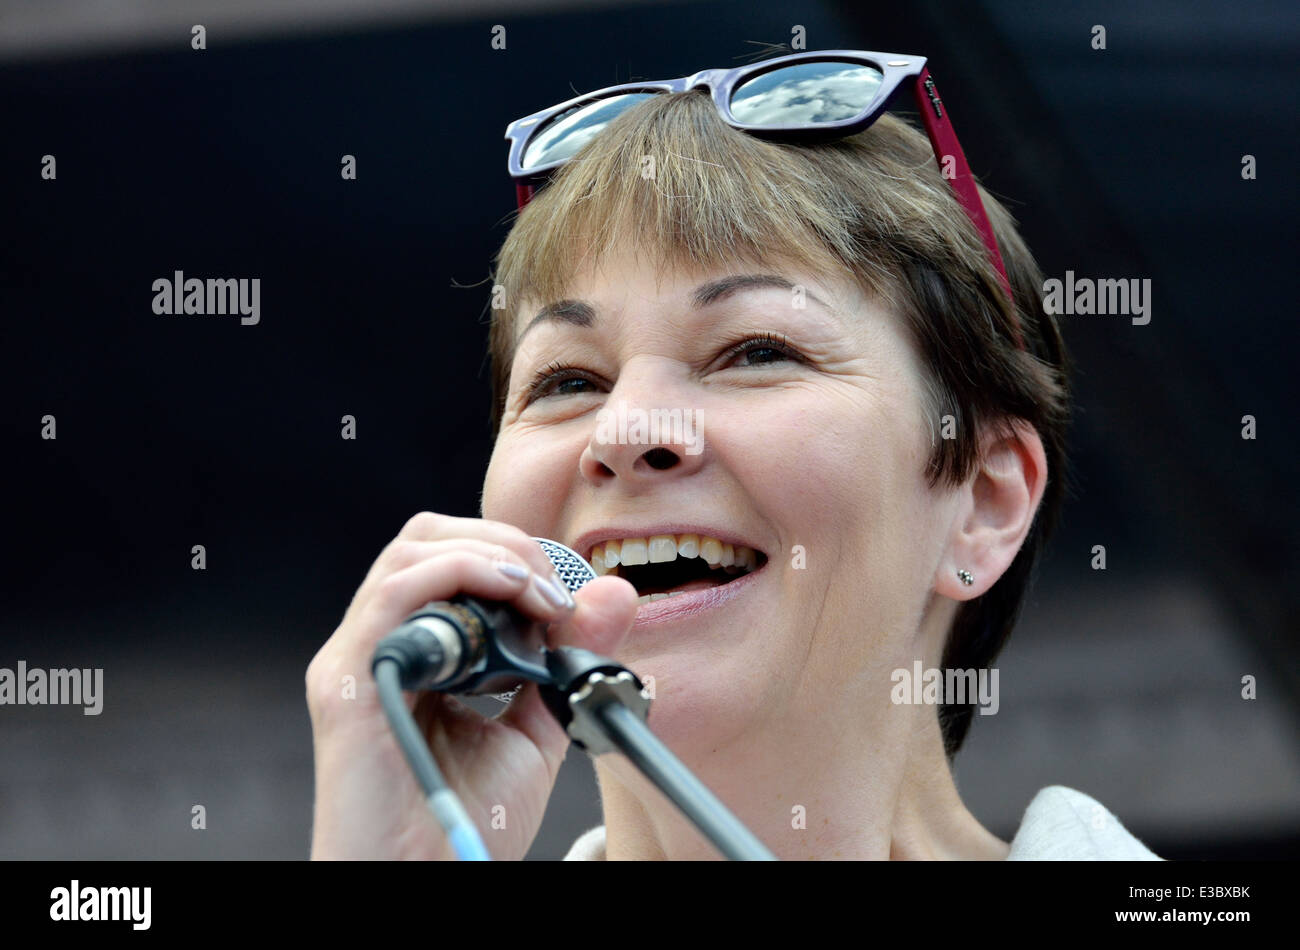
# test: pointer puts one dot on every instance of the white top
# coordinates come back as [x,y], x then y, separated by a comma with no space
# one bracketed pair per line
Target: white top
[1060,824]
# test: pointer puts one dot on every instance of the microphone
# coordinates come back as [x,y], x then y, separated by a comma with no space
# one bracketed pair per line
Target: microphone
[472,647]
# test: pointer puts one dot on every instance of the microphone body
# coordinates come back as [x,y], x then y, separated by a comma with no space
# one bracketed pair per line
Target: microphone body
[474,647]
[468,646]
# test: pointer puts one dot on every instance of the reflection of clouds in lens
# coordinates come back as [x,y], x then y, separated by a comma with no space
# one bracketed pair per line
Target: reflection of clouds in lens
[563,137]
[818,92]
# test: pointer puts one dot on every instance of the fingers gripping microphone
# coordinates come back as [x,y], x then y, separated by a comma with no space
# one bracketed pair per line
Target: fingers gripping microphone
[469,646]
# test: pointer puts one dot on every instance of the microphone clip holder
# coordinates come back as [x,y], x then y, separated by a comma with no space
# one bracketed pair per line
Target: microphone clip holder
[582,684]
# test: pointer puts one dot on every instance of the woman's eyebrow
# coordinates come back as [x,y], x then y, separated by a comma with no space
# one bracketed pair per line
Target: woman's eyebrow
[582,314]
[576,312]
[717,290]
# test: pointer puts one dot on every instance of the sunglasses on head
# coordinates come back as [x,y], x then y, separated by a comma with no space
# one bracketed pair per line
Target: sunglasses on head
[808,97]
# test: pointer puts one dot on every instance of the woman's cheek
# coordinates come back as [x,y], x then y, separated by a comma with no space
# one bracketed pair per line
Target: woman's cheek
[501,489]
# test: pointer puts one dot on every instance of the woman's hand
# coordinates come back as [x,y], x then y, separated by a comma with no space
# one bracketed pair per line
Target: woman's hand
[368,804]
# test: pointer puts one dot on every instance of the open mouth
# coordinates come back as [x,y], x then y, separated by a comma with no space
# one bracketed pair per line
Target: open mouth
[667,565]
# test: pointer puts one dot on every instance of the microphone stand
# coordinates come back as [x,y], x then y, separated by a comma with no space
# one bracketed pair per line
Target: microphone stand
[603,707]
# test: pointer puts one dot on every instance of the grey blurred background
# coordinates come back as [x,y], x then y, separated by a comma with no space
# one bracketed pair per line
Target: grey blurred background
[1122,162]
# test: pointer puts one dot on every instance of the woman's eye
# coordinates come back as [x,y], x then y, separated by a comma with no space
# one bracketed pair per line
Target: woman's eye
[563,387]
[761,350]
[763,354]
[557,380]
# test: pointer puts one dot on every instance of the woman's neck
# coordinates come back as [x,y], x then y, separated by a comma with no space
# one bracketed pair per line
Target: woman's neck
[884,793]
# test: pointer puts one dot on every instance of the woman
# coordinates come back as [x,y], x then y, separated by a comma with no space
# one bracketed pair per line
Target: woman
[869,458]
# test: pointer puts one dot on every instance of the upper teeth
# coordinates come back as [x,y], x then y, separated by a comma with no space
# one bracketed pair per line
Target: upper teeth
[657,549]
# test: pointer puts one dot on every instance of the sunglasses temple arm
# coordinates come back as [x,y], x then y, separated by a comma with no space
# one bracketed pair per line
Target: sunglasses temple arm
[944,140]
[523,194]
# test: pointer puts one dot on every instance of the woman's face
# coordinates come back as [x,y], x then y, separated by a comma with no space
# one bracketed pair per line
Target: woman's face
[816,459]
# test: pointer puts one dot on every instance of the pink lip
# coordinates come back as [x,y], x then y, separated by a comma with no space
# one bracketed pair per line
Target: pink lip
[682,606]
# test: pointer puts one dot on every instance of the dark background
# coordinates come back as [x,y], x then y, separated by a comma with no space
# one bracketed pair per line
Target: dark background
[183,430]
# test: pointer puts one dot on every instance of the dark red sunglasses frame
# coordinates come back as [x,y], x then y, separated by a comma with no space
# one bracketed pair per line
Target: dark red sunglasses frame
[896,70]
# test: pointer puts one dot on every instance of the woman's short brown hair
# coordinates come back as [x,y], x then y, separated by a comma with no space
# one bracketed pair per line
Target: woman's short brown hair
[874,205]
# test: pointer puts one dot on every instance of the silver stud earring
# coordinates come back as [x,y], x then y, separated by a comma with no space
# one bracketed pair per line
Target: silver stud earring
[967,577]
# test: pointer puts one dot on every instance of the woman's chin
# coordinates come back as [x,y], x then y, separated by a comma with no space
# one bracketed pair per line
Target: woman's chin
[695,706]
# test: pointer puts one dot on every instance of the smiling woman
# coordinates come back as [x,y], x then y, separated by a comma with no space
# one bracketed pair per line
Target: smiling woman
[705,288]
[870,212]
[880,455]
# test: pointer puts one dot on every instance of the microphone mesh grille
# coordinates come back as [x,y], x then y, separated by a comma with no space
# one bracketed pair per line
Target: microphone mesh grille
[573,570]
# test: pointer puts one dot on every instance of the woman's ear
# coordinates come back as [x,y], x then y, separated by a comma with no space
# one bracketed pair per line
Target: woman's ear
[996,511]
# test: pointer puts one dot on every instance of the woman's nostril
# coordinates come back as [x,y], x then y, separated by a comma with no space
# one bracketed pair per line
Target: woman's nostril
[660,458]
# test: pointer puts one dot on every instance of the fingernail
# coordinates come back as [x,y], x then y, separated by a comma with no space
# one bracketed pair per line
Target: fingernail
[510,569]
[563,588]
[551,592]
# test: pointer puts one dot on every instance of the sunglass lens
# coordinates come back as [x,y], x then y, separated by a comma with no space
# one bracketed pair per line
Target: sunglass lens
[564,135]
[806,94]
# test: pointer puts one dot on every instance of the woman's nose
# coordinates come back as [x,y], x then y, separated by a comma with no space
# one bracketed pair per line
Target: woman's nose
[639,443]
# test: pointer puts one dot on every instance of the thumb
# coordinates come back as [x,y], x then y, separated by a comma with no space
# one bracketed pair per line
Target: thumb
[606,611]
